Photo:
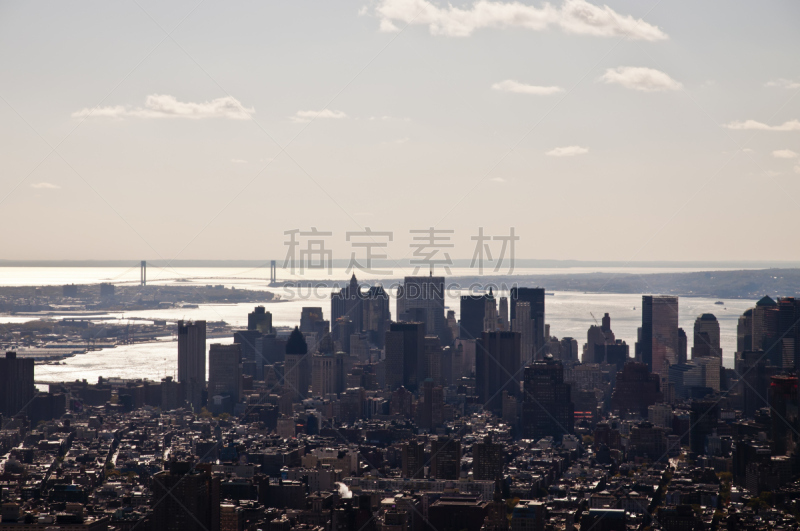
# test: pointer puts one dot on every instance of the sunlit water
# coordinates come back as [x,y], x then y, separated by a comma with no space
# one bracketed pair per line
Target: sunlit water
[569,314]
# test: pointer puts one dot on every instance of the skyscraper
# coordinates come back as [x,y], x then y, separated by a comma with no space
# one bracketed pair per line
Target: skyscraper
[16,384]
[192,360]
[547,408]
[405,356]
[783,400]
[425,294]
[260,319]
[637,388]
[445,458]
[497,368]
[535,296]
[473,311]
[225,370]
[184,499]
[348,302]
[487,460]
[297,368]
[376,315]
[659,337]
[523,324]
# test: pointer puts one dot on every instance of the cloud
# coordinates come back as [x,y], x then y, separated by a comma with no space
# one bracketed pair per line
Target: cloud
[239,161]
[498,179]
[791,125]
[567,151]
[573,16]
[747,150]
[46,186]
[307,116]
[166,106]
[509,85]
[797,168]
[783,83]
[640,78]
[784,154]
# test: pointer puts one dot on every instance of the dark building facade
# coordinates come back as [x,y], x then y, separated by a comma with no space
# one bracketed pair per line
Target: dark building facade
[535,296]
[637,388]
[192,360]
[16,384]
[405,360]
[497,368]
[547,408]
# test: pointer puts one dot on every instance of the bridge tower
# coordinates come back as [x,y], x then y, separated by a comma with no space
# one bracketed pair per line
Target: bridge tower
[273,275]
[143,273]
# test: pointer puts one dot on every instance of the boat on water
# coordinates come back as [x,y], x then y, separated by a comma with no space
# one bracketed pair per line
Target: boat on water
[719,303]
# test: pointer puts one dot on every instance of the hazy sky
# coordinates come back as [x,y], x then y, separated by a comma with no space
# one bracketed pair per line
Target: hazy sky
[647,130]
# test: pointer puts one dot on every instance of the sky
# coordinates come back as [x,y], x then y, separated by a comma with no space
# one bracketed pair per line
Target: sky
[631,131]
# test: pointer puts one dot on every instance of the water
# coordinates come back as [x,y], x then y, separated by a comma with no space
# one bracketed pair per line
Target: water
[569,314]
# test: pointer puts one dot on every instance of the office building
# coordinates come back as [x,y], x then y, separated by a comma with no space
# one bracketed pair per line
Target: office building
[659,345]
[523,324]
[260,320]
[376,315]
[297,367]
[488,460]
[405,356]
[413,460]
[348,303]
[637,389]
[472,314]
[534,296]
[783,401]
[423,297]
[16,384]
[445,458]
[497,368]
[225,371]
[547,408]
[192,360]
[184,499]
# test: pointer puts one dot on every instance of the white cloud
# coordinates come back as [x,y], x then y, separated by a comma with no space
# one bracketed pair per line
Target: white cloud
[509,85]
[640,78]
[784,154]
[791,125]
[567,151]
[307,116]
[783,83]
[239,161]
[166,106]
[573,16]
[47,186]
[498,179]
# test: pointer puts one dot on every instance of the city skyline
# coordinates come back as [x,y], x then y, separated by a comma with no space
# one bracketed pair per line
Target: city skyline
[670,115]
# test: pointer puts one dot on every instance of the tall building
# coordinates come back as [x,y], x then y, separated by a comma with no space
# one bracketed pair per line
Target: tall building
[184,499]
[473,312]
[16,384]
[535,296]
[413,460]
[783,401]
[704,418]
[774,328]
[348,303]
[432,414]
[491,318]
[260,320]
[405,356]
[637,388]
[497,368]
[376,315]
[323,374]
[488,460]
[425,294]
[297,368]
[225,371]
[659,345]
[547,408]
[502,318]
[192,360]
[706,337]
[523,324]
[445,458]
